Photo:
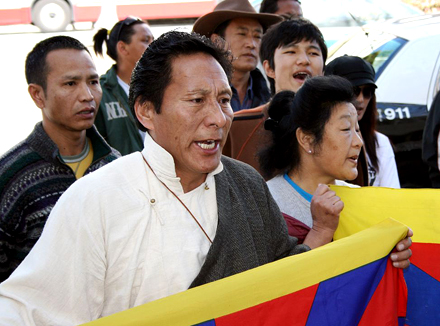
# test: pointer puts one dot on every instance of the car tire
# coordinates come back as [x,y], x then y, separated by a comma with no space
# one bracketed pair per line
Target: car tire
[51,15]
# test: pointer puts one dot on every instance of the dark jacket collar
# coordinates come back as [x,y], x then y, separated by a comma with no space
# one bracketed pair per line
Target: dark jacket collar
[41,143]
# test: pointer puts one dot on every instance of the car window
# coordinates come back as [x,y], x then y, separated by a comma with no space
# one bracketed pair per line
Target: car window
[377,47]
[382,56]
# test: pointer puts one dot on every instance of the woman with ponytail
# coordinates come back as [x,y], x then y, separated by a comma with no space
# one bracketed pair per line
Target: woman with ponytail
[315,139]
[125,44]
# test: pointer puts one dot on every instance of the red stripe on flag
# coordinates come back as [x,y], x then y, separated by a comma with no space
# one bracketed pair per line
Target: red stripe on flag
[291,309]
[391,289]
[426,256]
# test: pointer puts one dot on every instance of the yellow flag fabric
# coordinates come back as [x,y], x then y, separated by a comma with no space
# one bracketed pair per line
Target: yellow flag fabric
[417,208]
[263,284]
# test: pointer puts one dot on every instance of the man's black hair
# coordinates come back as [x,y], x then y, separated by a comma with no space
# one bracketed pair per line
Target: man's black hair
[270,6]
[221,29]
[153,72]
[36,67]
[285,33]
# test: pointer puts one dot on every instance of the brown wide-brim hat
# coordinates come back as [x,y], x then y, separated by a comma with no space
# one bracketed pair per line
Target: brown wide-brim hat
[231,9]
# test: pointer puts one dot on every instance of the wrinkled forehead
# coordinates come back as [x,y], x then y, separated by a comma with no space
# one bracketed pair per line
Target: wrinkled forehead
[343,111]
[198,70]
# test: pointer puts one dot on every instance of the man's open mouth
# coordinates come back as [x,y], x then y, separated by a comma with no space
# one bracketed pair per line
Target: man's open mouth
[207,144]
[301,76]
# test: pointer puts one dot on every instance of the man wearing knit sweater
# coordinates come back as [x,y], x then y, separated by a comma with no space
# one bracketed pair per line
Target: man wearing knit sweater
[64,84]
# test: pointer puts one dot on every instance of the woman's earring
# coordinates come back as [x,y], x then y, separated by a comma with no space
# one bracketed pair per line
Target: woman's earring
[310,151]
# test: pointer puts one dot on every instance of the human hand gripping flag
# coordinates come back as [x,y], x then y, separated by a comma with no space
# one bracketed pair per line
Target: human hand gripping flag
[420,210]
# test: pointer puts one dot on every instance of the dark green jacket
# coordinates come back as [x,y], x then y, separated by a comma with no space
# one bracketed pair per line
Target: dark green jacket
[114,120]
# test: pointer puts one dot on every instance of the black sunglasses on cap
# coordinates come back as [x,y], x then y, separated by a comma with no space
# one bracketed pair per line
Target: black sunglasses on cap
[127,22]
[367,91]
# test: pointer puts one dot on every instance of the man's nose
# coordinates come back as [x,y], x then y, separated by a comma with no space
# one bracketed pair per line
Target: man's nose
[216,116]
[86,93]
[252,42]
[303,58]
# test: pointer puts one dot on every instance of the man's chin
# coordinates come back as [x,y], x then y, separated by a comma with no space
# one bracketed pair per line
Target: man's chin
[245,66]
[209,167]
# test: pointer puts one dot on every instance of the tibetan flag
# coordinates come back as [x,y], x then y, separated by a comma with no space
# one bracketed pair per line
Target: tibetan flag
[420,210]
[345,283]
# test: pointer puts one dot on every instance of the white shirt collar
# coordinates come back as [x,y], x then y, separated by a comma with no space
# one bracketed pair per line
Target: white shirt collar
[123,84]
[163,165]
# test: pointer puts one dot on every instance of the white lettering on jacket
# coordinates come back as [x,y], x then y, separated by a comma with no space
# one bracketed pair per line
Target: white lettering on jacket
[115,111]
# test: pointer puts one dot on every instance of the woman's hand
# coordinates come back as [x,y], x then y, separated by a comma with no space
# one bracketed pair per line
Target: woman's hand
[401,257]
[325,208]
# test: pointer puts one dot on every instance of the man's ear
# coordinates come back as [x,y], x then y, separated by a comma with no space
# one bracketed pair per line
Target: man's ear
[219,41]
[145,113]
[268,70]
[215,37]
[37,94]
[306,141]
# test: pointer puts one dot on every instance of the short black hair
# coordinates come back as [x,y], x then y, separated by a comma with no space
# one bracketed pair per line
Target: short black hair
[285,33]
[270,6]
[221,29]
[153,72]
[36,68]
[310,109]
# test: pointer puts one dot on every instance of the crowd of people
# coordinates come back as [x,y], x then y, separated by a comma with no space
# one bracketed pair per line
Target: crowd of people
[211,150]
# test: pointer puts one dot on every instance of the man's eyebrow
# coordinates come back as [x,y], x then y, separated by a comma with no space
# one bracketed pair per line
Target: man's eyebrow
[312,46]
[227,91]
[71,77]
[295,45]
[94,76]
[79,77]
[199,91]
[203,91]
[290,45]
[245,28]
[257,29]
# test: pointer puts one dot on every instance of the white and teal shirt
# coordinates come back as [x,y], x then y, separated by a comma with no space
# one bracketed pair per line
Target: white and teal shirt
[292,199]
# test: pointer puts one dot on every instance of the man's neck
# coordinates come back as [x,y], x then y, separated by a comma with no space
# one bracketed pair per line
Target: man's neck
[68,143]
[240,81]
[190,183]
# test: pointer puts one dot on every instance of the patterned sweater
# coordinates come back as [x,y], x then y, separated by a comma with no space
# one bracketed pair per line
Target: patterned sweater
[32,178]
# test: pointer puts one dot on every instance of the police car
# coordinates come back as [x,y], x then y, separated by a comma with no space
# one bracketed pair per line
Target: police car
[405,54]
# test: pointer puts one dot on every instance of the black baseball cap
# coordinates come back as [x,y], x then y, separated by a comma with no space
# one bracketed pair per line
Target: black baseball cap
[356,70]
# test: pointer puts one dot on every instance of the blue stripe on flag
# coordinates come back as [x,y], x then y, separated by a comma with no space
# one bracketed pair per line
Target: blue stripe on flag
[342,300]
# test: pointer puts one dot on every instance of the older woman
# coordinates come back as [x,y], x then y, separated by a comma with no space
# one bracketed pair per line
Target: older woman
[315,141]
[380,160]
[125,43]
